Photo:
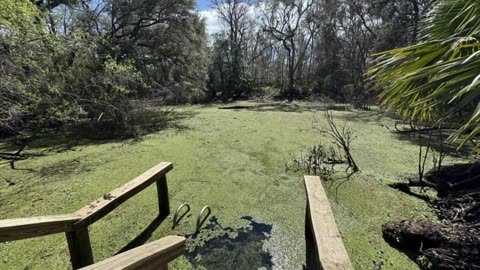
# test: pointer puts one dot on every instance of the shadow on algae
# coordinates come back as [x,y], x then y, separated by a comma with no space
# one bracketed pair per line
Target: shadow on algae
[216,247]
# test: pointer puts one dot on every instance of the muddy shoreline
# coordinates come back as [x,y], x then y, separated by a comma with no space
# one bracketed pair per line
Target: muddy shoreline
[455,242]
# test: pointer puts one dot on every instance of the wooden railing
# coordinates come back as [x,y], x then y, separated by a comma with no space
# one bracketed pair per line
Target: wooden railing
[75,225]
[325,249]
[152,256]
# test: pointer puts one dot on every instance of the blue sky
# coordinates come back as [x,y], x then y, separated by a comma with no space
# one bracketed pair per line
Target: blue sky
[203,4]
[210,16]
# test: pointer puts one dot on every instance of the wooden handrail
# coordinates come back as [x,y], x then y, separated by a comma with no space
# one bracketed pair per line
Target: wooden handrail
[75,225]
[152,256]
[108,202]
[22,228]
[321,231]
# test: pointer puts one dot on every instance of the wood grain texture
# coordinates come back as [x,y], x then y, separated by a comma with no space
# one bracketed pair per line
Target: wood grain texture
[76,225]
[22,228]
[152,256]
[80,248]
[108,202]
[330,251]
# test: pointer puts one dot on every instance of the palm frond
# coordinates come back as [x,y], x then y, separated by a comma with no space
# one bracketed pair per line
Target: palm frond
[439,77]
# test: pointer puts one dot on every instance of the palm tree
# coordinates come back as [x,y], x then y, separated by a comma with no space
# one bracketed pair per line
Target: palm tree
[437,79]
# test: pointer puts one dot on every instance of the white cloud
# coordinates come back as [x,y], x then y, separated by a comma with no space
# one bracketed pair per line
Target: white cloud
[213,23]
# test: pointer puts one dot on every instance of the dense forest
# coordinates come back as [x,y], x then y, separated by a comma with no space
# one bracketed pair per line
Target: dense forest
[102,70]
[65,62]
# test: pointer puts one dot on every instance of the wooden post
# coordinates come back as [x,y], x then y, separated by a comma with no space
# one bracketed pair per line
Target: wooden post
[80,249]
[75,225]
[308,229]
[329,251]
[312,261]
[163,202]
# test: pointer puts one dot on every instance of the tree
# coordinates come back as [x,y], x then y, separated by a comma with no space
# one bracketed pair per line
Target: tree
[307,47]
[400,21]
[48,80]
[438,78]
[165,39]
[283,21]
[235,16]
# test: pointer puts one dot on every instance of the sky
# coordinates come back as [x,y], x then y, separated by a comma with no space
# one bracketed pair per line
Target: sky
[213,24]
[203,4]
[206,11]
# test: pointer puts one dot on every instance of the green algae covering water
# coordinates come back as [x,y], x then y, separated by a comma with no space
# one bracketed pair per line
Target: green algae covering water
[232,160]
[218,247]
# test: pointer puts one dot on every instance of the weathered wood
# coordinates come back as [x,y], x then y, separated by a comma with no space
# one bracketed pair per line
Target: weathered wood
[104,205]
[81,254]
[162,191]
[22,228]
[76,225]
[329,249]
[152,256]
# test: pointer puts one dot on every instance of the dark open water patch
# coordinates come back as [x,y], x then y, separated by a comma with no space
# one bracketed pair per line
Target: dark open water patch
[225,248]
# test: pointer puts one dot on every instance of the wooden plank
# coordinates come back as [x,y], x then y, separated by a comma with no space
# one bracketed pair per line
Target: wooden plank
[329,249]
[80,248]
[155,255]
[104,205]
[312,260]
[163,201]
[22,228]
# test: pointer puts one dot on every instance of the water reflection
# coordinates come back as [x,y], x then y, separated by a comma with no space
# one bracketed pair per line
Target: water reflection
[217,247]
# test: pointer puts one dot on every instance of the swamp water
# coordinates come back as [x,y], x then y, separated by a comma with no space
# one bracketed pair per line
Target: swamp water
[217,247]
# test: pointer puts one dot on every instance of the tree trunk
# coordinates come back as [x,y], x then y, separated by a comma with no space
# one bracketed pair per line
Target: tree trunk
[291,69]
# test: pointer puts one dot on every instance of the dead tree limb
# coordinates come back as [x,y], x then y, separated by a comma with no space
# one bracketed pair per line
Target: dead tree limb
[343,137]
